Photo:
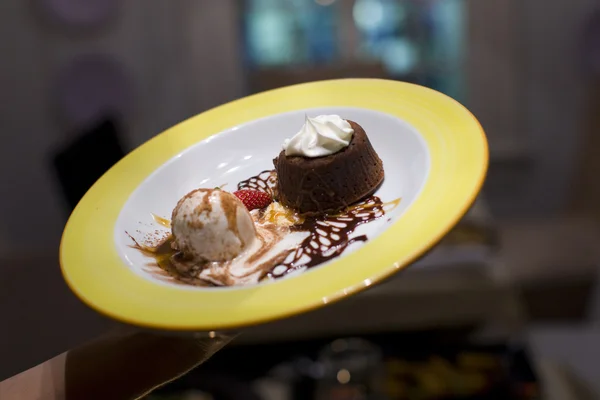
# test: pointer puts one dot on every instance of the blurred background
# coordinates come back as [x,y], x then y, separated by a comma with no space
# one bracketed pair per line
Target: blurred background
[506,306]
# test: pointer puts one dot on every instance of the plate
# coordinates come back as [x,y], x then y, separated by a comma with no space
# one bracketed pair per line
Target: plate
[435,158]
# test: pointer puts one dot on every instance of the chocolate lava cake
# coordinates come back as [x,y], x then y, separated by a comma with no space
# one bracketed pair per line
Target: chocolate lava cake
[330,183]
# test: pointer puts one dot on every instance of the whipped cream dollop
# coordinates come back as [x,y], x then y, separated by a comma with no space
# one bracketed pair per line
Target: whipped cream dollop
[320,136]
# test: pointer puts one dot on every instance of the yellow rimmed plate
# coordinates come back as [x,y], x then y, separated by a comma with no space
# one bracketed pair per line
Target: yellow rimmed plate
[435,157]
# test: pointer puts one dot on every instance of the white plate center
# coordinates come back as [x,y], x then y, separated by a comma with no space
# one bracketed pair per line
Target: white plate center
[244,151]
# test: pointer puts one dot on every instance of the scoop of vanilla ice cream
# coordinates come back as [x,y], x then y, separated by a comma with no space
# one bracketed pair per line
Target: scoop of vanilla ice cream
[212,225]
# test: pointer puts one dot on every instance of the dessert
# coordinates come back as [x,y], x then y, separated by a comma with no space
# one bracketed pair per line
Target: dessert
[216,241]
[211,225]
[327,166]
[278,222]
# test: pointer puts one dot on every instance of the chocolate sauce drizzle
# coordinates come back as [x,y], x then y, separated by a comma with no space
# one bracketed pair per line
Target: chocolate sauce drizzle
[266,182]
[328,236]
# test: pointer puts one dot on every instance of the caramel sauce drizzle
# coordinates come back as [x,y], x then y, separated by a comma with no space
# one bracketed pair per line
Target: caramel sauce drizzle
[162,221]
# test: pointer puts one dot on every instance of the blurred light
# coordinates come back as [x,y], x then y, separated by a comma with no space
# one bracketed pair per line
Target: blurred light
[449,21]
[270,34]
[367,14]
[324,2]
[399,56]
[376,15]
[212,334]
[343,376]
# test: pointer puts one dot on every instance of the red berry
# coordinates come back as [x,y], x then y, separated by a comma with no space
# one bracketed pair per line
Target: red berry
[253,199]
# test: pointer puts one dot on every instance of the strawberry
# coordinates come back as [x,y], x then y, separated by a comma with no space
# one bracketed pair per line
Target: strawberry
[253,199]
